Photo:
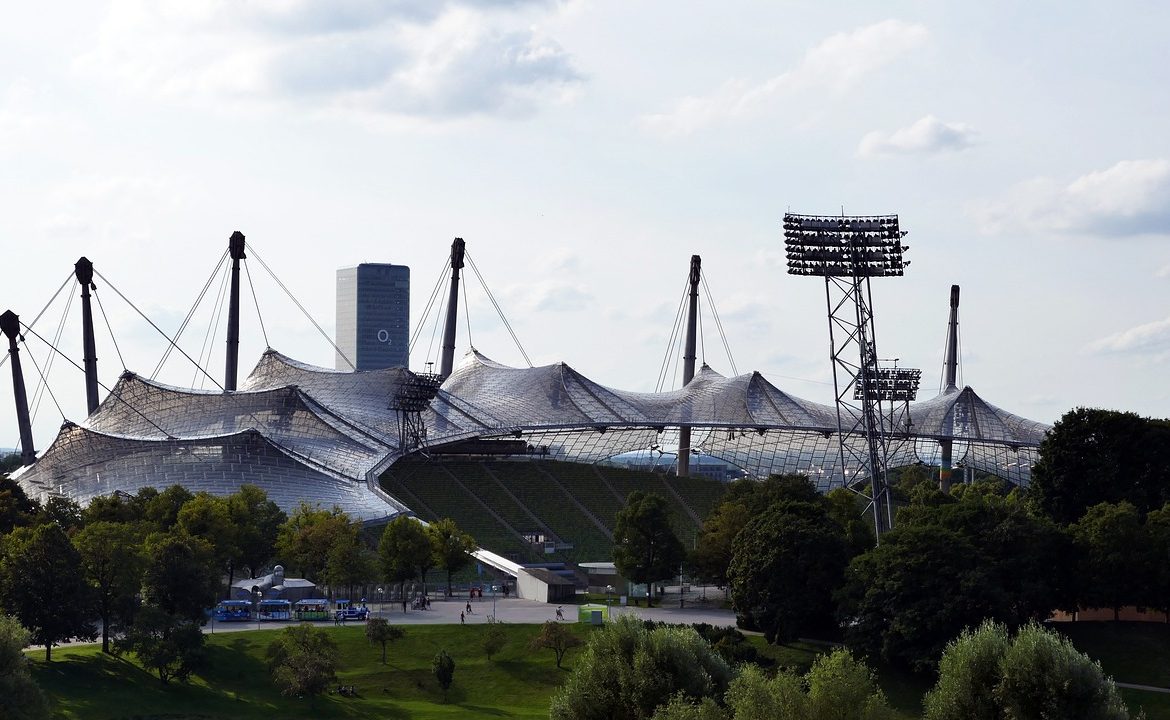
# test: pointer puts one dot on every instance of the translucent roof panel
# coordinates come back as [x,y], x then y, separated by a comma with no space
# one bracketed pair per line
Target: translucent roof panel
[286,416]
[84,464]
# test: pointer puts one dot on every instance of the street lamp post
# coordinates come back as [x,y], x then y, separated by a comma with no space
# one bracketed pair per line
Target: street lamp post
[381,599]
[259,597]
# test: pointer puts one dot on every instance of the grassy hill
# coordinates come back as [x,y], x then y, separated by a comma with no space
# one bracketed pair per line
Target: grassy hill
[86,685]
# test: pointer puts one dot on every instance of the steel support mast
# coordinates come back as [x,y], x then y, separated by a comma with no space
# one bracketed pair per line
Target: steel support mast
[236,250]
[684,432]
[10,325]
[448,359]
[951,367]
[83,269]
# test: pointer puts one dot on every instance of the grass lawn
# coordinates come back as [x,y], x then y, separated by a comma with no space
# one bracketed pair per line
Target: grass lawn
[517,683]
[86,685]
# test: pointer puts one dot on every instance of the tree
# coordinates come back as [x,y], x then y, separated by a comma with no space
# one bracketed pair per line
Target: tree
[1111,539]
[166,643]
[405,549]
[452,547]
[303,661]
[785,565]
[112,562]
[349,562]
[303,541]
[645,547]
[20,697]
[61,511]
[16,509]
[950,566]
[1093,456]
[180,576]
[208,518]
[628,670]
[257,521]
[443,668]
[847,509]
[494,640]
[42,583]
[1158,537]
[382,632]
[161,509]
[712,555]
[987,674]
[115,508]
[839,688]
[556,637]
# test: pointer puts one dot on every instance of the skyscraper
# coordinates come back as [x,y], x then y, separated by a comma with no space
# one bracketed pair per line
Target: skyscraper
[373,316]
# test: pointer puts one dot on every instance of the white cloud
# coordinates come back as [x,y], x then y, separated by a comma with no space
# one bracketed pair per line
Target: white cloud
[835,65]
[927,136]
[1163,272]
[1129,198]
[408,58]
[1153,337]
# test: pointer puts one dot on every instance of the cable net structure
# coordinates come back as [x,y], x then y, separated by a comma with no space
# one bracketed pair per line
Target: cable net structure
[307,433]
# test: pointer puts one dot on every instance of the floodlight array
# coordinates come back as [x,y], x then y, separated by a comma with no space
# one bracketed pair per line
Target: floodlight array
[844,246]
[416,392]
[892,385]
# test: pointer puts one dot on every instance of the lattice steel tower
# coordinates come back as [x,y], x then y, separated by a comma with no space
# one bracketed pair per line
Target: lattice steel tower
[847,251]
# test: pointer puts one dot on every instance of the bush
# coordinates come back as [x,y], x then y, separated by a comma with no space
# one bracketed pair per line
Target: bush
[303,661]
[627,671]
[1038,674]
[20,698]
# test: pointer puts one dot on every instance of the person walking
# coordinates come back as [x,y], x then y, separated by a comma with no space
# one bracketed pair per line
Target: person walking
[462,618]
[469,607]
[560,614]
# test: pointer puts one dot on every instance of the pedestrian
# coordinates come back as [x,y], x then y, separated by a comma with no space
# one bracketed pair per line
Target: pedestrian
[468,607]
[462,618]
[403,606]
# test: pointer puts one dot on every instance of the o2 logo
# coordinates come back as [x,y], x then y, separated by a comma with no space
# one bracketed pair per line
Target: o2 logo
[384,337]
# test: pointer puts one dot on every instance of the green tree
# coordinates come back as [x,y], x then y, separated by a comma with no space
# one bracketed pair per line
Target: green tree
[303,541]
[785,566]
[556,637]
[1158,538]
[847,508]
[208,518]
[452,547]
[494,640]
[165,643]
[645,549]
[405,550]
[16,509]
[628,670]
[967,675]
[1038,674]
[443,668]
[712,554]
[1111,540]
[20,697]
[42,583]
[112,560]
[303,661]
[1093,456]
[950,566]
[161,509]
[383,633]
[180,576]
[841,688]
[349,562]
[116,508]
[257,521]
[62,512]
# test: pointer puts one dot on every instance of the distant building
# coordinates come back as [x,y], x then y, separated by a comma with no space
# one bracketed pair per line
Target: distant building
[373,316]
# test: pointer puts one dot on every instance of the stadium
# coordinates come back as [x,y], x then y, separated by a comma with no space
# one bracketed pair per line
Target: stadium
[516,455]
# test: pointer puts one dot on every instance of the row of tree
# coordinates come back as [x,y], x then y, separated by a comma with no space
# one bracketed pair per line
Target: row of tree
[801,564]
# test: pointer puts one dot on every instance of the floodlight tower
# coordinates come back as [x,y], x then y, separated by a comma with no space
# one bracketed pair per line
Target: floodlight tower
[847,251]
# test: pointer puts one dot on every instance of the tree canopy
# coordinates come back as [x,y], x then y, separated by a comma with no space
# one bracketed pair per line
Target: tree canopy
[646,549]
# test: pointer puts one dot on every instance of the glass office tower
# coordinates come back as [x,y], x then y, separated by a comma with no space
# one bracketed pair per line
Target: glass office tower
[373,316]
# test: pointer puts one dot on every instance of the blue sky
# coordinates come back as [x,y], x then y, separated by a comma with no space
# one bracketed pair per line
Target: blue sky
[585,150]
